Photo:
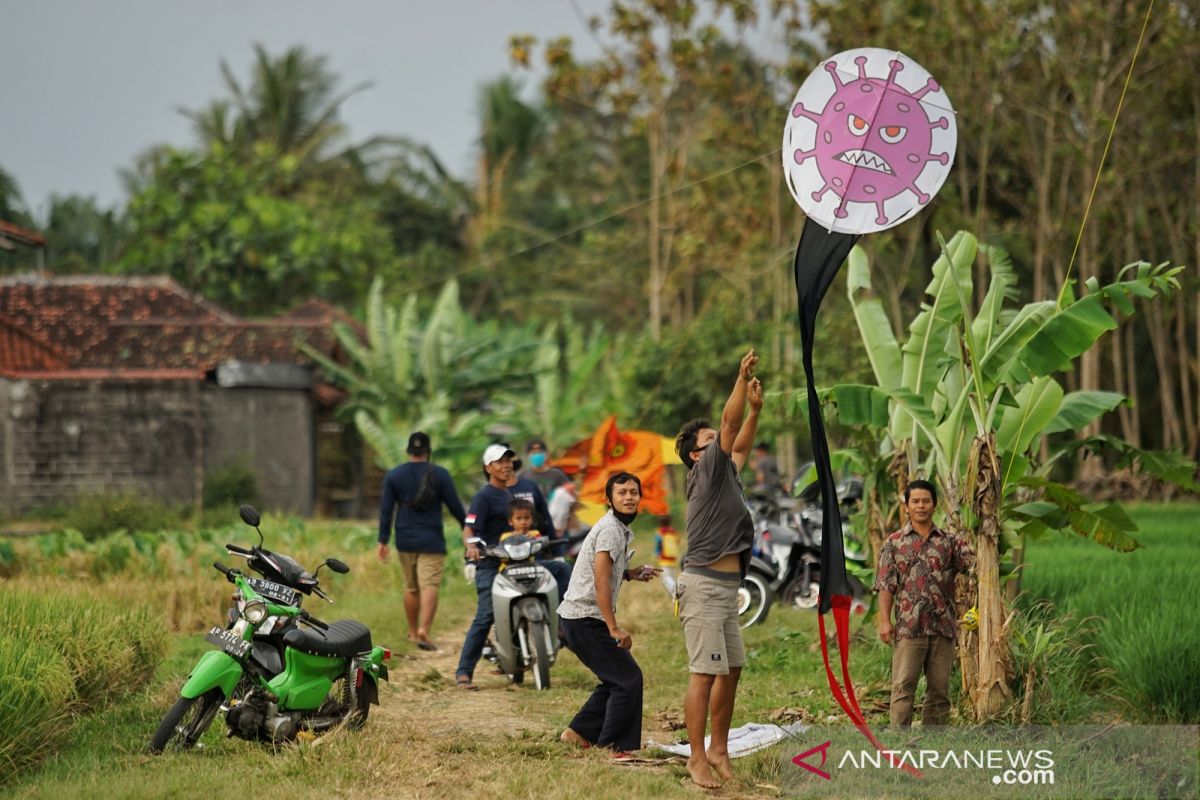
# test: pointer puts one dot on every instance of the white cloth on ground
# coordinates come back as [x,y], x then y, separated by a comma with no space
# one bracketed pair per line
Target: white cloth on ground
[743,741]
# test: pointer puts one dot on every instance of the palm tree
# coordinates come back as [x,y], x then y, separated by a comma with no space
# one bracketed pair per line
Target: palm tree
[291,102]
[12,208]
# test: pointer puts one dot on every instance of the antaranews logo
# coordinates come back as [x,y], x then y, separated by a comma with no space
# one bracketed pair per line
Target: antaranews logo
[1011,767]
[823,749]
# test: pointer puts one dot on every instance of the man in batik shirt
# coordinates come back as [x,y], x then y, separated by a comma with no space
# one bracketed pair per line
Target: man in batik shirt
[917,568]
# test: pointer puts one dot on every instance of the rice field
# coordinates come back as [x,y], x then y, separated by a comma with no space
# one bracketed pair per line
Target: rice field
[1143,603]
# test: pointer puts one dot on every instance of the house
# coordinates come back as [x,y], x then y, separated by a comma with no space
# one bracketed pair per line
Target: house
[111,384]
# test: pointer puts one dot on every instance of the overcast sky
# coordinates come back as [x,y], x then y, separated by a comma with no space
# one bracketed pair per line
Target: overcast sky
[89,84]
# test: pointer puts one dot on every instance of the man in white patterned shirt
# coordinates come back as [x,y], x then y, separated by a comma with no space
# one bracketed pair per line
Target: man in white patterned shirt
[612,716]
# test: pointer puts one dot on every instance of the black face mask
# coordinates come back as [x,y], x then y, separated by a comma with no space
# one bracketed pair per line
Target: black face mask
[626,519]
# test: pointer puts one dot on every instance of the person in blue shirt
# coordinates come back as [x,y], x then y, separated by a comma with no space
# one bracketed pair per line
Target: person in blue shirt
[414,494]
[487,518]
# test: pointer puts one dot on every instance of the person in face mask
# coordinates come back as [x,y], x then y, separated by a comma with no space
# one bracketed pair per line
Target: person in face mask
[546,477]
[612,715]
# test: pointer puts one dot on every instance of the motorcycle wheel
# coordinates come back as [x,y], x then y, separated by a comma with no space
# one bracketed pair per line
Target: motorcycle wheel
[754,600]
[535,634]
[186,722]
[339,703]
[794,595]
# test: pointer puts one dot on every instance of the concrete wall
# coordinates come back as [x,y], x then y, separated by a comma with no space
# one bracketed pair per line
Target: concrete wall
[62,438]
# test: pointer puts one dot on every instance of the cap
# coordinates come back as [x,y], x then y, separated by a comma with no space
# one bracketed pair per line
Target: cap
[495,452]
[418,443]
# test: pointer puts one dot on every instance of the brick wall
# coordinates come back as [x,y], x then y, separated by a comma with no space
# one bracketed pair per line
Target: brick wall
[62,438]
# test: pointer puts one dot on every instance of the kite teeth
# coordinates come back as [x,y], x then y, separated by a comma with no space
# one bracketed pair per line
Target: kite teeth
[868,160]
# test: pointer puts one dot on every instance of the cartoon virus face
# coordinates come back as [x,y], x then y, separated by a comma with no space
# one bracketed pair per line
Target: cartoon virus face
[873,141]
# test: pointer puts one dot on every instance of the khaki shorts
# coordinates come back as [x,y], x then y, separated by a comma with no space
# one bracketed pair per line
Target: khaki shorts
[421,570]
[708,609]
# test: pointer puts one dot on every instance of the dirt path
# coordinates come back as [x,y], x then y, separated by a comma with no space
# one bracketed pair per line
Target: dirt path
[422,687]
[435,740]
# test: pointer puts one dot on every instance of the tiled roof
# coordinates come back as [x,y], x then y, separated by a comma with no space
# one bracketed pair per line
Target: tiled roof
[140,327]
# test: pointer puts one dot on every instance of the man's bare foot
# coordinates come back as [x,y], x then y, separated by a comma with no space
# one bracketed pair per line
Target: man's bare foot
[698,768]
[721,763]
[571,737]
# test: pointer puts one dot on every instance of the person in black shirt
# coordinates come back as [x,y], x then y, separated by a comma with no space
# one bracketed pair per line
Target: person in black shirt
[414,493]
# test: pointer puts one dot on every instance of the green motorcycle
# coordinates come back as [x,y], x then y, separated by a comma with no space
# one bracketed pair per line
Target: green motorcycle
[277,670]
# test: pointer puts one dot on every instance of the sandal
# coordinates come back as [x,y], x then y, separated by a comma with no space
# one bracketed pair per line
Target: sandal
[464,682]
[421,645]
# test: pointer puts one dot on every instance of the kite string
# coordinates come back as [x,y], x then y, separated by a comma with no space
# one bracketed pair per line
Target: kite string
[1104,157]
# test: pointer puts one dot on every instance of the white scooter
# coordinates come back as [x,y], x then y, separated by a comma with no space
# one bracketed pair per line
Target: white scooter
[525,604]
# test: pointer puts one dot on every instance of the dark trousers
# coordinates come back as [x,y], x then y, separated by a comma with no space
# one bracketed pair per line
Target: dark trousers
[612,716]
[485,576]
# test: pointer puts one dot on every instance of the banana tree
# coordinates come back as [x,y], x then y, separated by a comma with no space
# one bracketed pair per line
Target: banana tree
[970,397]
[467,382]
[449,375]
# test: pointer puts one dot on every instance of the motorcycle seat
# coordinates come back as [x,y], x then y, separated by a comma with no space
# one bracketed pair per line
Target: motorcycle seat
[345,637]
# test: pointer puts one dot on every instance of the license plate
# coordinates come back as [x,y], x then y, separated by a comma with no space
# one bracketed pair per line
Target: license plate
[228,642]
[523,572]
[275,591]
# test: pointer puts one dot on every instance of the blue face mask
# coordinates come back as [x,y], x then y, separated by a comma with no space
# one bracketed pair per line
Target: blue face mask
[537,460]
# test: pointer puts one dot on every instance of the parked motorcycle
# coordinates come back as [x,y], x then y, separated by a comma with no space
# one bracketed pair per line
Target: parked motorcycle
[277,670]
[525,605]
[787,553]
[756,592]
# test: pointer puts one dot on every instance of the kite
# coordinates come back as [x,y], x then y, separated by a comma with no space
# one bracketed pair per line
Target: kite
[869,141]
[610,450]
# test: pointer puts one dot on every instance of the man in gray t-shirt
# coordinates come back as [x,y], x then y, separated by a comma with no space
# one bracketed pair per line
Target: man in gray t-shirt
[720,534]
[612,716]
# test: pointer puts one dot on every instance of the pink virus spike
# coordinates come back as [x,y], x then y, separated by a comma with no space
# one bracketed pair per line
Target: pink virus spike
[861,61]
[817,195]
[930,86]
[896,65]
[799,110]
[880,217]
[803,155]
[832,68]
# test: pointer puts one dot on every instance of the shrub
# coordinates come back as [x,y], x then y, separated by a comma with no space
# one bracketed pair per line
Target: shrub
[232,484]
[98,515]
[64,653]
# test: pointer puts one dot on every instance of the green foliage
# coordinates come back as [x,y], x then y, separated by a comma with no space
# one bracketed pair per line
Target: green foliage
[232,484]
[467,382]
[63,653]
[250,233]
[1143,602]
[98,515]
[1059,677]
[967,372]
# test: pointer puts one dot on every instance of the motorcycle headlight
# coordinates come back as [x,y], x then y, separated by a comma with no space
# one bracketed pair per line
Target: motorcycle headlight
[255,612]
[519,552]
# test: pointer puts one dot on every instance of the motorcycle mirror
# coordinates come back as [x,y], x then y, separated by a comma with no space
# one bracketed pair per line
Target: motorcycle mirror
[250,516]
[337,566]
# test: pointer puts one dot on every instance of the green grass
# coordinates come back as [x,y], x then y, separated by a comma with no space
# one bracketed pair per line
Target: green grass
[1144,633]
[431,740]
[65,652]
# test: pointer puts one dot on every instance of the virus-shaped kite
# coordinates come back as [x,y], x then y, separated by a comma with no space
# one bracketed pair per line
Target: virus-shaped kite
[881,141]
[861,154]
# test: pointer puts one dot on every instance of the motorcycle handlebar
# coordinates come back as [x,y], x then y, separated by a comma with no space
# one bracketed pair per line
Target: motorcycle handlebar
[229,572]
[233,548]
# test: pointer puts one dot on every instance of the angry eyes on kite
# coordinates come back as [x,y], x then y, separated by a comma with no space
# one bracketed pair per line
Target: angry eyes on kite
[892,133]
[858,126]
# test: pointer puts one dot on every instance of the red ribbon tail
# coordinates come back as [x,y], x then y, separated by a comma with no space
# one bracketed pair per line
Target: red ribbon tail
[841,617]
